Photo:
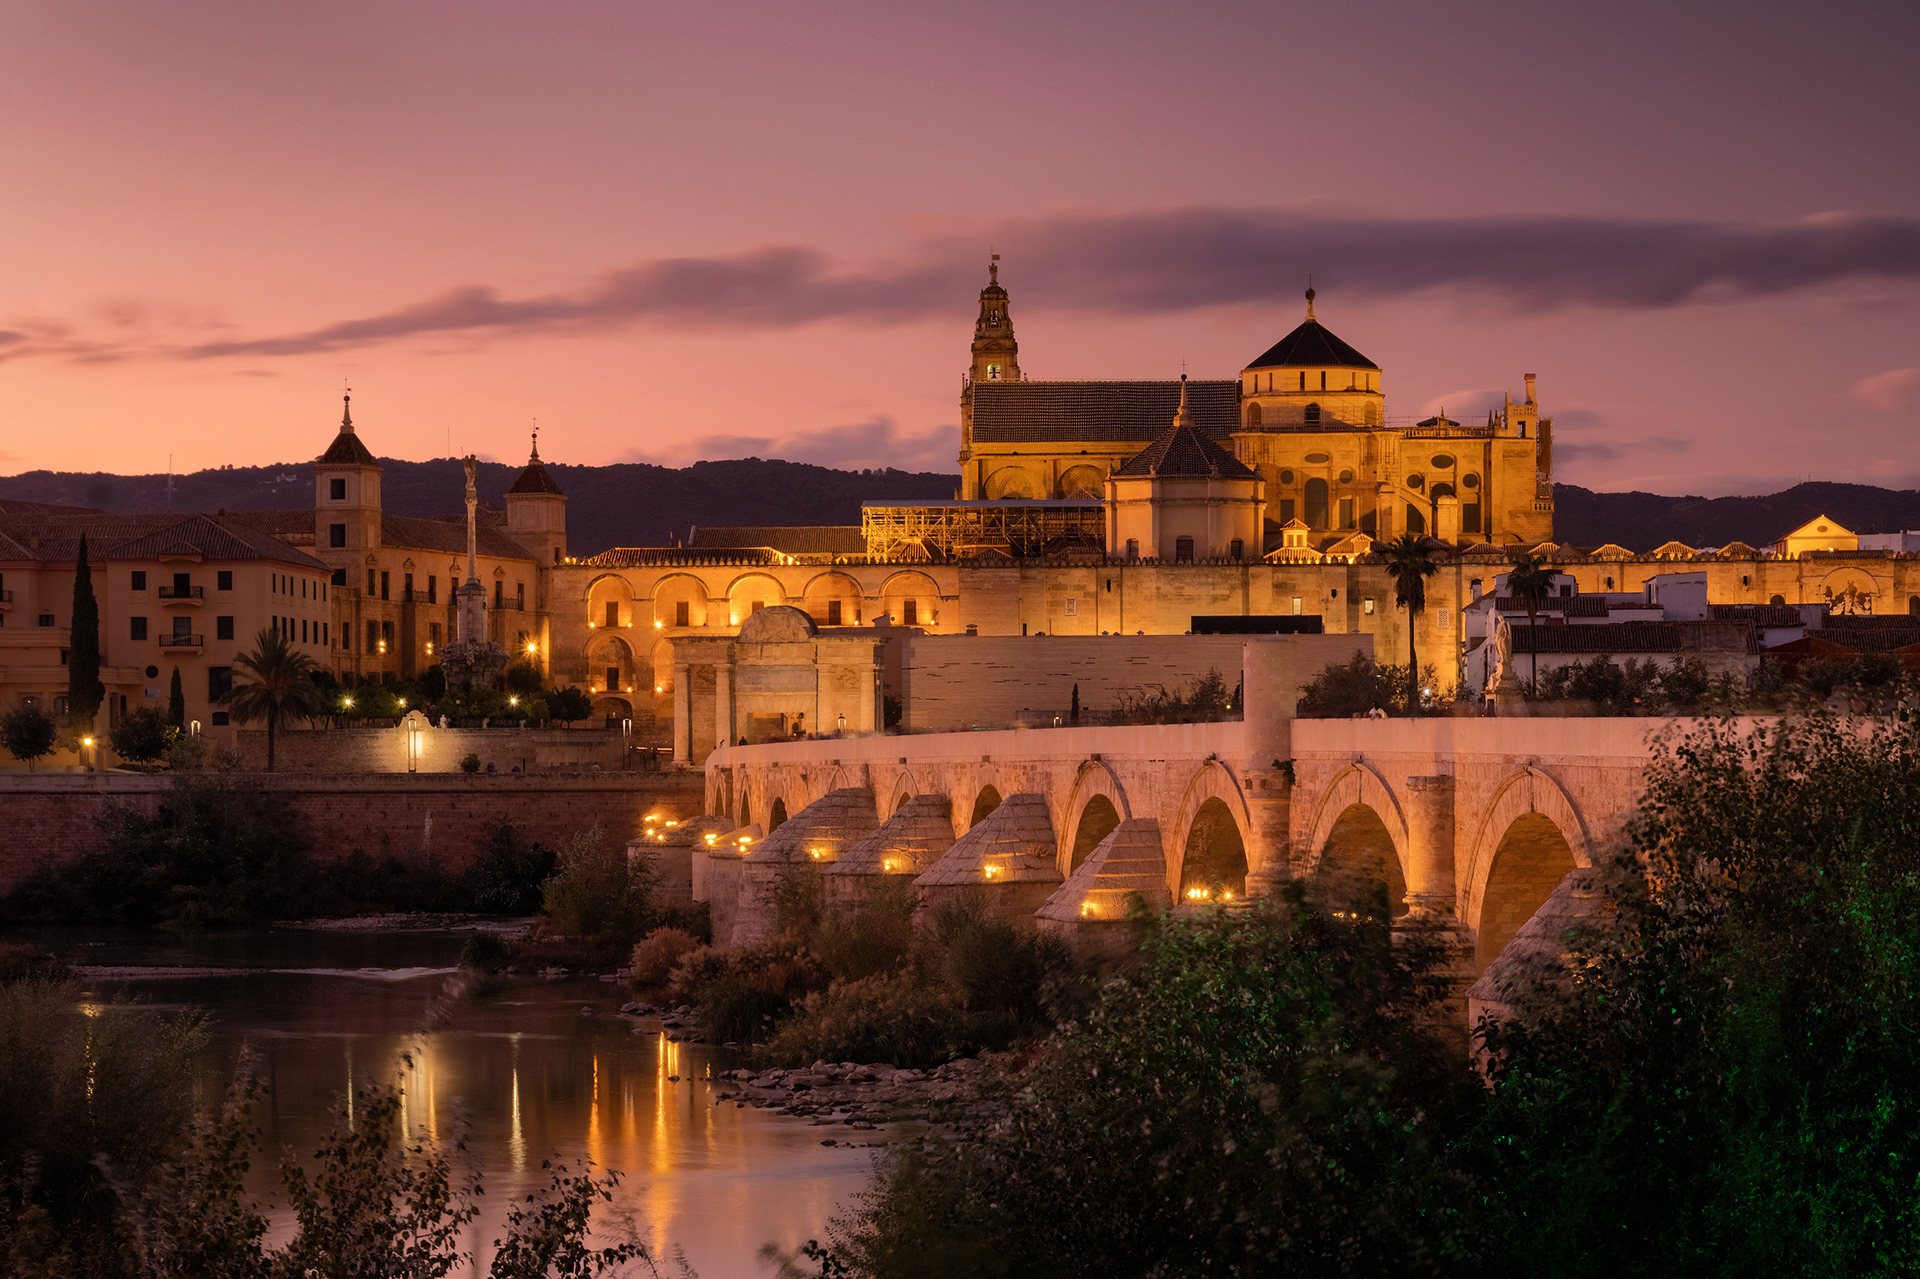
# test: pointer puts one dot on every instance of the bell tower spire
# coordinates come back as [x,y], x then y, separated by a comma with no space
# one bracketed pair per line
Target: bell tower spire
[996,356]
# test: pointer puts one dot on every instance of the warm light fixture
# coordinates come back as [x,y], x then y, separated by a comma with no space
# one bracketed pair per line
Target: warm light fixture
[346,703]
[991,871]
[712,839]
[659,688]
[383,646]
[403,703]
[532,647]
[86,741]
[1197,894]
[657,623]
[511,701]
[1086,909]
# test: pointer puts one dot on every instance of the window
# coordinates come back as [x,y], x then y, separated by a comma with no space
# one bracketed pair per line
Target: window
[1297,604]
[223,628]
[433,636]
[1072,607]
[1346,477]
[373,583]
[1286,477]
[498,587]
[1323,379]
[326,632]
[139,579]
[1183,550]
[406,588]
[1778,599]
[219,719]
[385,578]
[182,626]
[1316,503]
[1303,379]
[223,580]
[520,595]
[910,613]
[613,612]
[339,577]
[757,606]
[1313,415]
[1470,517]
[337,490]
[336,535]
[386,637]
[613,679]
[303,631]
[46,619]
[182,585]
[1346,512]
[1236,548]
[433,589]
[219,682]
[833,612]
[373,637]
[1133,548]
[1286,509]
[682,613]
[139,625]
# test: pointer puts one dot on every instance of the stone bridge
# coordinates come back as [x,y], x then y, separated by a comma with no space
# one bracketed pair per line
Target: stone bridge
[1472,821]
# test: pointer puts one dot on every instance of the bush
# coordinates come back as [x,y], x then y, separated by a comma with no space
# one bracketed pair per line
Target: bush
[599,892]
[506,879]
[877,937]
[142,735]
[27,733]
[470,763]
[655,957]
[1359,686]
[569,704]
[743,993]
[1205,699]
[889,1018]
[485,952]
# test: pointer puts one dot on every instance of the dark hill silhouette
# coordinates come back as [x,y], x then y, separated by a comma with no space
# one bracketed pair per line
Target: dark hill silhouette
[634,504]
[625,504]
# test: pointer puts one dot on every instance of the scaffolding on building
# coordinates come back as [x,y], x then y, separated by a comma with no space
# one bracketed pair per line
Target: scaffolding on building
[948,530]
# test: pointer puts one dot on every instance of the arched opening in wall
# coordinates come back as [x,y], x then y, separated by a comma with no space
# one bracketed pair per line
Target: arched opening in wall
[1084,483]
[610,604]
[984,803]
[611,710]
[1097,821]
[1215,865]
[1777,600]
[833,599]
[746,807]
[1253,417]
[609,667]
[1313,415]
[776,815]
[751,594]
[1532,859]
[1913,605]
[1012,482]
[900,801]
[679,601]
[1359,873]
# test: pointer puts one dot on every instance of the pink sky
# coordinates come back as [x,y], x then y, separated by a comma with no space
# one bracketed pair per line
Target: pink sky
[673,232]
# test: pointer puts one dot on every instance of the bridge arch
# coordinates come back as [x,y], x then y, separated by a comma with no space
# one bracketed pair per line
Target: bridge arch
[1212,797]
[1526,841]
[984,801]
[1357,849]
[1096,803]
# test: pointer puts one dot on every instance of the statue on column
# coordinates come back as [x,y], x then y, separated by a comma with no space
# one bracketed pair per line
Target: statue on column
[473,660]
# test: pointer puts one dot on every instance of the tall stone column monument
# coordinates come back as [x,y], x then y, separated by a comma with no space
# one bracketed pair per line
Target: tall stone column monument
[473,660]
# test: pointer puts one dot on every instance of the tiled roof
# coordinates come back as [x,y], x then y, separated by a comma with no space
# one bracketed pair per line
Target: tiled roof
[1012,844]
[1564,605]
[1868,639]
[909,842]
[447,536]
[535,479]
[346,449]
[796,539]
[820,832]
[14,507]
[1181,450]
[1311,344]
[144,537]
[1098,412]
[1618,638]
[1758,614]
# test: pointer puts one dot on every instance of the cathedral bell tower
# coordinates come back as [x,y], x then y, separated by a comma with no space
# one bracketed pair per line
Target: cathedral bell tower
[996,356]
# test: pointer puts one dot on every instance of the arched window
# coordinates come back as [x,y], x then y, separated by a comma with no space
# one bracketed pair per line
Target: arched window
[1253,417]
[1316,503]
[1778,599]
[1313,415]
[1133,548]
[1183,550]
[1236,547]
[1913,605]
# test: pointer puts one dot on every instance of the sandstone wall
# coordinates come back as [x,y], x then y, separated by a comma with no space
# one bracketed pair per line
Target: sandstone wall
[365,749]
[444,814]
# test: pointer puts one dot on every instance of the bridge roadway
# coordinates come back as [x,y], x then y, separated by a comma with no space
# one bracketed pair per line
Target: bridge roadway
[1472,820]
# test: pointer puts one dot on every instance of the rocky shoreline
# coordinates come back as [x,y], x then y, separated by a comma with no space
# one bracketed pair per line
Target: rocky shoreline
[857,1095]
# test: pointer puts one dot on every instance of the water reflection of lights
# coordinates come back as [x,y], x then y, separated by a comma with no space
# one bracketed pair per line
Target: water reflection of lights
[516,1136]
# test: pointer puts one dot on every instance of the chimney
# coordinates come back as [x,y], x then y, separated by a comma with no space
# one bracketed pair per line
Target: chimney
[1529,388]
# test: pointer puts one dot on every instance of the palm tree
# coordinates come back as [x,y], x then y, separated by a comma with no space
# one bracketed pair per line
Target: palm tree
[1410,564]
[279,685]
[1530,583]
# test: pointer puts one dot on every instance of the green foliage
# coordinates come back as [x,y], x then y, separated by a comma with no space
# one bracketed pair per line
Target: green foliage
[79,1081]
[273,682]
[84,689]
[876,937]
[1359,686]
[569,704]
[475,704]
[28,733]
[485,952]
[887,1017]
[1410,563]
[142,735]
[742,994]
[522,677]
[506,879]
[1206,699]
[1251,1099]
[433,683]
[1727,1087]
[599,892]
[657,954]
[470,763]
[176,702]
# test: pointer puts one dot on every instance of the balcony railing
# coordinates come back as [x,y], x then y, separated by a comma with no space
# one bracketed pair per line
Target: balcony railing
[183,592]
[183,641]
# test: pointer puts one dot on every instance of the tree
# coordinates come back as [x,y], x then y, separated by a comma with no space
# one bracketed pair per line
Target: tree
[1410,564]
[569,704]
[1530,583]
[142,735]
[28,733]
[276,682]
[84,689]
[176,702]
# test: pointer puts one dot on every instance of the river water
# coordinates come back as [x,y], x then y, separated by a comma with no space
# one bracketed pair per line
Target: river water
[524,1068]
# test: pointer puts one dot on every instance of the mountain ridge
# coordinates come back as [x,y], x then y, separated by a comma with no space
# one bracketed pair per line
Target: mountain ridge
[640,504]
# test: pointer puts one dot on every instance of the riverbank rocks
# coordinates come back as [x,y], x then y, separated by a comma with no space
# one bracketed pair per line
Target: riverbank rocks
[863,1096]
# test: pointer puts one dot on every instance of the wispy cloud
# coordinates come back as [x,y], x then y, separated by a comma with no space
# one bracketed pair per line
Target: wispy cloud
[856,444]
[1890,392]
[1134,264]
[1599,451]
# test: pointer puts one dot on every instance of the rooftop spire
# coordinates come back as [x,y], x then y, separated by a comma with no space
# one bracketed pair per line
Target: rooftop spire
[536,442]
[993,270]
[346,414]
[1181,417]
[1310,318]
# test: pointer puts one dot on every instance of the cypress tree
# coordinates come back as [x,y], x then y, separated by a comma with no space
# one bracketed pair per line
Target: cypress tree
[176,702]
[84,689]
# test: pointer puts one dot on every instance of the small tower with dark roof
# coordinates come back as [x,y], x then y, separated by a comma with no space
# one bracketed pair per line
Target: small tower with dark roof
[346,501]
[1185,498]
[996,356]
[537,510]
[1312,380]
